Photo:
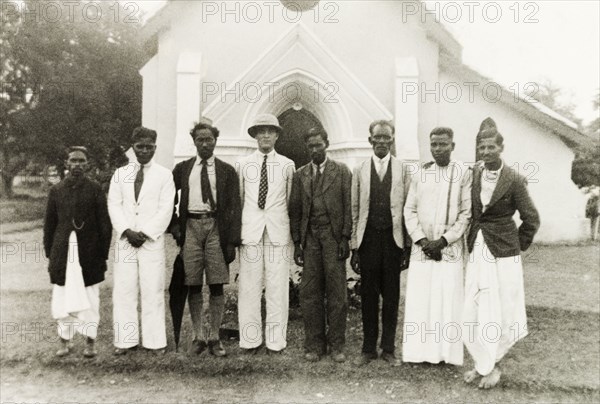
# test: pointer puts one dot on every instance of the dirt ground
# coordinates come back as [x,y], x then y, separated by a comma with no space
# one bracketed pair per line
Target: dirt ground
[558,362]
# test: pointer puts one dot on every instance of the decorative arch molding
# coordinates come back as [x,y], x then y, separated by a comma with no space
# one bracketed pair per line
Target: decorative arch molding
[299,88]
[300,59]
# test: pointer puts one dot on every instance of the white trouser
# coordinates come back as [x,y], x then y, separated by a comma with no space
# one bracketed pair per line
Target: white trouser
[269,264]
[139,271]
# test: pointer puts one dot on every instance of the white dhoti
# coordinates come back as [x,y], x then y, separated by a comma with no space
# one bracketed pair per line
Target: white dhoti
[433,309]
[75,306]
[494,316]
[139,271]
[265,264]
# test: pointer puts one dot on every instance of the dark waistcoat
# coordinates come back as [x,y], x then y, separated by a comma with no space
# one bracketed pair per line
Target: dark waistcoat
[318,210]
[380,214]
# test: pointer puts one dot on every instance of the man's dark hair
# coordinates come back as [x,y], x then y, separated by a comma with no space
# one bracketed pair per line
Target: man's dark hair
[490,133]
[143,133]
[441,130]
[316,132]
[82,149]
[202,125]
[382,122]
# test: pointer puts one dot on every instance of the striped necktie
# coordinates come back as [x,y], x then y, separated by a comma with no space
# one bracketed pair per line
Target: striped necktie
[263,187]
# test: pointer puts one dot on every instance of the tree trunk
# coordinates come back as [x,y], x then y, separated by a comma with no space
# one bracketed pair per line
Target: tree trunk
[6,186]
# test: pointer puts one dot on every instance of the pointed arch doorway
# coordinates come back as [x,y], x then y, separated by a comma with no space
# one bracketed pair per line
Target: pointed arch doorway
[295,123]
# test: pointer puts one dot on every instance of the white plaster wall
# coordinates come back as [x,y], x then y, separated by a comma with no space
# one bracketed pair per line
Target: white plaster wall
[532,150]
[367,38]
[366,46]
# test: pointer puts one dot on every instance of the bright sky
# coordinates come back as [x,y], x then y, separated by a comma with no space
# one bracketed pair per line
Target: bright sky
[531,41]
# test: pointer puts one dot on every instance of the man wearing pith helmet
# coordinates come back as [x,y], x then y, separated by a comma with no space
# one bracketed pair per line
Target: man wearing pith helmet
[265,187]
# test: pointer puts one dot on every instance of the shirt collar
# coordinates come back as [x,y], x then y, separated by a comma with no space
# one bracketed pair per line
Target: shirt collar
[148,164]
[495,171]
[269,154]
[383,160]
[210,161]
[321,166]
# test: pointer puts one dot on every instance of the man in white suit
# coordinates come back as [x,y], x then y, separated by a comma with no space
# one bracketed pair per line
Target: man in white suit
[140,204]
[265,254]
[380,245]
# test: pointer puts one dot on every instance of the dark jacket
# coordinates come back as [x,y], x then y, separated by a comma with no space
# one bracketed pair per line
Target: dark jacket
[500,231]
[71,204]
[336,188]
[229,211]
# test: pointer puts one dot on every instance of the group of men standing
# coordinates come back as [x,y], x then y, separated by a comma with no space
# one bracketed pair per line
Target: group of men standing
[387,214]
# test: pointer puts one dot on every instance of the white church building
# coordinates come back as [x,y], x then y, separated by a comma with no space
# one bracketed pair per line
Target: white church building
[343,65]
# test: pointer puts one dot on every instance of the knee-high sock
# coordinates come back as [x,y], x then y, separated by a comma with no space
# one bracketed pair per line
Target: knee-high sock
[216,306]
[195,305]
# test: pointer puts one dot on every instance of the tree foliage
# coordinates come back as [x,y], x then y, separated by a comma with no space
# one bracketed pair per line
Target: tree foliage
[69,77]
[585,170]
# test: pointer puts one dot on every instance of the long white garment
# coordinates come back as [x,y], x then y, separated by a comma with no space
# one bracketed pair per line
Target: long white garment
[75,306]
[438,204]
[494,316]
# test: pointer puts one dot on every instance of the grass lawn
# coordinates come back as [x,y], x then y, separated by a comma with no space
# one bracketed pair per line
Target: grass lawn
[25,210]
[558,362]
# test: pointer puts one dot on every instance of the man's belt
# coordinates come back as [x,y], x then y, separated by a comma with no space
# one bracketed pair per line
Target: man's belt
[203,215]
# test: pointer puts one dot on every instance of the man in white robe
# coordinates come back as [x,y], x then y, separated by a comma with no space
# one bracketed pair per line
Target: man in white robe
[494,316]
[437,214]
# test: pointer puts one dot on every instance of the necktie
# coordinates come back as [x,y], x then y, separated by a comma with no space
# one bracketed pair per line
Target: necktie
[317,178]
[139,180]
[205,185]
[263,187]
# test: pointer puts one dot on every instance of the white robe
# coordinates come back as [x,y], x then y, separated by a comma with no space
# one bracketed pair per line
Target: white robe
[438,204]
[75,306]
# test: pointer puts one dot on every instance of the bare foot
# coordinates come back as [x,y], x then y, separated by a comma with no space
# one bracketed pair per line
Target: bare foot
[489,381]
[470,376]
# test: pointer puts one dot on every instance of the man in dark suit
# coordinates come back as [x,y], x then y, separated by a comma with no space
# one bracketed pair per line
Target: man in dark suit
[208,231]
[494,295]
[380,243]
[77,217]
[321,225]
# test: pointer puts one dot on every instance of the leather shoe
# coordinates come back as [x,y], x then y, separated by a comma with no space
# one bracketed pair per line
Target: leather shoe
[252,351]
[198,346]
[216,348]
[390,358]
[124,351]
[311,357]
[65,348]
[338,356]
[158,352]
[365,358]
[63,351]
[90,349]
[272,352]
